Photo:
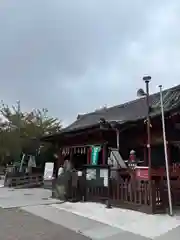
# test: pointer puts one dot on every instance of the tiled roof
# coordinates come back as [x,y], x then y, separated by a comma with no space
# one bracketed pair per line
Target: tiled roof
[130,111]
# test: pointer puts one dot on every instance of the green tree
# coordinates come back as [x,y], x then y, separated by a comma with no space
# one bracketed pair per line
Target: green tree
[20,131]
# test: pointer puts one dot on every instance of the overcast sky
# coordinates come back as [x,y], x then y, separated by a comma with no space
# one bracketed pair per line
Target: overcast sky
[73,56]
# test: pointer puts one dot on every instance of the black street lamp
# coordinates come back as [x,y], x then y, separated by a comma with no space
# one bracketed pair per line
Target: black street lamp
[142,93]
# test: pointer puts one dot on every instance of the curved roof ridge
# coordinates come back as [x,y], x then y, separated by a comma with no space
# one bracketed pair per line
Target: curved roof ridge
[131,110]
[177,87]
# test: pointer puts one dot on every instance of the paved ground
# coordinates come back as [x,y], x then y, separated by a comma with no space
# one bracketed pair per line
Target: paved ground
[29,212]
[137,223]
[16,224]
[87,227]
[10,198]
[32,214]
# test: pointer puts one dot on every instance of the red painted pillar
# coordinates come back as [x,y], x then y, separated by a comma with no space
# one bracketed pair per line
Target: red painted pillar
[103,155]
[169,153]
[60,159]
[145,154]
[89,156]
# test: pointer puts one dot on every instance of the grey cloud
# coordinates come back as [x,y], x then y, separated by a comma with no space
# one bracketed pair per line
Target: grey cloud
[73,56]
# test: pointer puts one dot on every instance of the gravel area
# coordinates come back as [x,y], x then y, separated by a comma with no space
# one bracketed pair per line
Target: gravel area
[16,224]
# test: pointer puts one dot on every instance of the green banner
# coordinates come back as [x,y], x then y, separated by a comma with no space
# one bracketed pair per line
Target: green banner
[95,154]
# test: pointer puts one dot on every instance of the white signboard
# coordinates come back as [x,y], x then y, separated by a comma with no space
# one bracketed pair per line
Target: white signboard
[104,174]
[48,171]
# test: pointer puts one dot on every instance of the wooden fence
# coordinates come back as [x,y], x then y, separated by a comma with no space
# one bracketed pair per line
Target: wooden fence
[175,186]
[136,195]
[175,192]
[25,181]
[97,194]
[123,194]
[122,191]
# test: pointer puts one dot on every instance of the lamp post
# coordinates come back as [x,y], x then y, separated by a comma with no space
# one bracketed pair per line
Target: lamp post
[165,152]
[147,80]
[142,93]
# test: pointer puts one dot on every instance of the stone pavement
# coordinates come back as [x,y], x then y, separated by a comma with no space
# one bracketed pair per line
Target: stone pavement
[10,198]
[16,224]
[85,226]
[148,226]
[32,214]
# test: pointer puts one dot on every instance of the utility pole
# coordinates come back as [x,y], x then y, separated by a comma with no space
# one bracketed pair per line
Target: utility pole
[165,152]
